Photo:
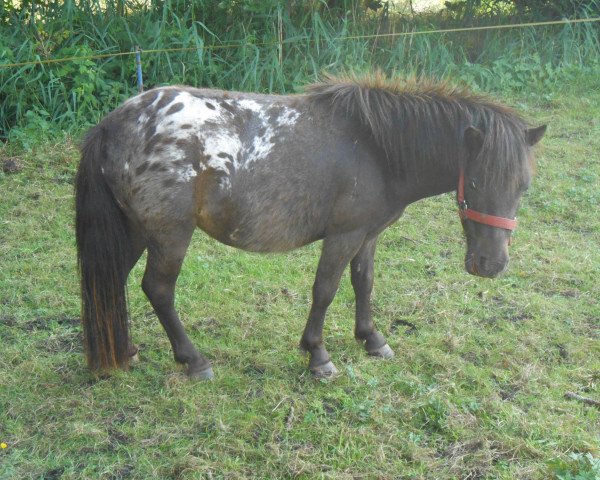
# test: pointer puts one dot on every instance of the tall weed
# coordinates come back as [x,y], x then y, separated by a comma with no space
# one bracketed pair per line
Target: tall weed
[255,46]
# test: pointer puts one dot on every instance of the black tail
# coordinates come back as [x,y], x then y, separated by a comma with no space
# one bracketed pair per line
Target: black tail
[103,250]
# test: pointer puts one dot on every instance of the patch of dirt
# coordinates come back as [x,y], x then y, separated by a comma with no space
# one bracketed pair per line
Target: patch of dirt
[473,459]
[332,407]
[594,327]
[412,328]
[119,419]
[255,370]
[289,294]
[117,438]
[53,474]
[11,165]
[67,338]
[431,270]
[509,393]
[126,471]
[476,358]
[8,321]
[66,178]
[512,312]
[460,449]
[549,292]
[459,419]
[569,293]
[562,351]
[68,342]
[45,323]
[519,317]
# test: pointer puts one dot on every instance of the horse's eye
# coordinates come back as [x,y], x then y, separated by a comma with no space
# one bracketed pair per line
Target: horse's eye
[473,186]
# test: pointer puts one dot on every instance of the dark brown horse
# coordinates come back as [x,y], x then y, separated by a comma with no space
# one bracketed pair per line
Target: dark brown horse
[269,173]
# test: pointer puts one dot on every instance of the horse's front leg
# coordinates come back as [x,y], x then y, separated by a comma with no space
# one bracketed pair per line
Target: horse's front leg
[361,269]
[338,250]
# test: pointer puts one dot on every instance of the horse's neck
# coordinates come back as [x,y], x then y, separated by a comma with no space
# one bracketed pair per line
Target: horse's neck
[427,179]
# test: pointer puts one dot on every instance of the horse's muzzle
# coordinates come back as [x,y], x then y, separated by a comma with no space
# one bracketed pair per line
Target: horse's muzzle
[484,266]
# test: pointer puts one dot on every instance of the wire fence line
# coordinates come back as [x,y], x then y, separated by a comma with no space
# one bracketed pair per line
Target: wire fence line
[292,41]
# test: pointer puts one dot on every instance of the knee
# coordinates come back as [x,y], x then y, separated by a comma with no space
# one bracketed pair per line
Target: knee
[148,286]
[323,294]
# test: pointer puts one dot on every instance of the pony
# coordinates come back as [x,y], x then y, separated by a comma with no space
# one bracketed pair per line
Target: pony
[271,173]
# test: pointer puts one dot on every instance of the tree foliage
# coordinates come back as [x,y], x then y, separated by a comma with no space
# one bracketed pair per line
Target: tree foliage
[532,9]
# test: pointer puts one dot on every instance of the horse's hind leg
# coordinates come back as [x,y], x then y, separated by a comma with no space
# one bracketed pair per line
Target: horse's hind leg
[137,248]
[337,252]
[362,281]
[165,256]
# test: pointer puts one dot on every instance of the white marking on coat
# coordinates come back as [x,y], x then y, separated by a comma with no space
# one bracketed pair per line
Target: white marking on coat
[142,120]
[187,173]
[263,145]
[250,105]
[194,113]
[211,127]
[288,118]
[157,99]
[222,143]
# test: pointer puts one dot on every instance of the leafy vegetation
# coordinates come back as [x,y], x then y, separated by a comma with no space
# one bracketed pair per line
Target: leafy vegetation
[272,46]
[579,467]
[533,9]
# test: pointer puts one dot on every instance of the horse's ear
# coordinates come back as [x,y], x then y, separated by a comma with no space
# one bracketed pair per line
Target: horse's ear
[534,135]
[473,139]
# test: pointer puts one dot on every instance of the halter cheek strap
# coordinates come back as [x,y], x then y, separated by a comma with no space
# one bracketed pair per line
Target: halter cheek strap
[466,213]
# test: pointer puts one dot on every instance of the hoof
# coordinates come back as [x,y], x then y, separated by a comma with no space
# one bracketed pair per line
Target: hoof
[383,352]
[327,370]
[206,374]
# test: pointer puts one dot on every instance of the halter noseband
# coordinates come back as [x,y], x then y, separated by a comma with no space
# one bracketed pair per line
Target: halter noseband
[466,213]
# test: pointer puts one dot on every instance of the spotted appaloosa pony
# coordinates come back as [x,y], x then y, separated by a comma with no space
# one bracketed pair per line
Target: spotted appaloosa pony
[269,173]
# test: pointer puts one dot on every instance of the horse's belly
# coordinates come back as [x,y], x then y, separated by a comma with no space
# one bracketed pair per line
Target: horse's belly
[256,240]
[259,217]
[261,236]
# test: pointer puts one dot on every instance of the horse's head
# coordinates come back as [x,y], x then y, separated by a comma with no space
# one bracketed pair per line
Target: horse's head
[489,193]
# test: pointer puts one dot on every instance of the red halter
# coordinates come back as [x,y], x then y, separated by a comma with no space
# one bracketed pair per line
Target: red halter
[466,213]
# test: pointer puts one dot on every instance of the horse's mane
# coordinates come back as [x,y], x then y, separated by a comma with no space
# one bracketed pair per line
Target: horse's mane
[418,120]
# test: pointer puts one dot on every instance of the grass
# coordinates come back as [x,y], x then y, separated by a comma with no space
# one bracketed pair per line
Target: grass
[476,389]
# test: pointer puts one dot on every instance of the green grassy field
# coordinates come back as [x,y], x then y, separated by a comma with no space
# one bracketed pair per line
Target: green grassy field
[477,389]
